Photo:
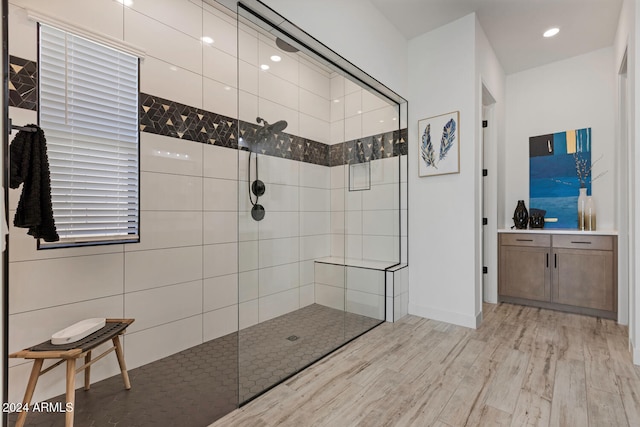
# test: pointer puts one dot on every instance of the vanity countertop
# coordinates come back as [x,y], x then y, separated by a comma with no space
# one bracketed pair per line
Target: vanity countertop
[560,231]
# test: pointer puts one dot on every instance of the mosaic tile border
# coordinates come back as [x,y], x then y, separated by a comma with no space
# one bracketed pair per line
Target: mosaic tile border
[169,118]
[23,83]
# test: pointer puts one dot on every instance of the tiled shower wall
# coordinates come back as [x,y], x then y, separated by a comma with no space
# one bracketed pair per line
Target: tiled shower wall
[181,281]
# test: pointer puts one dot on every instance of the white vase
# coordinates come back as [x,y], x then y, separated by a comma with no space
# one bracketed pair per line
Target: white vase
[582,204]
[590,214]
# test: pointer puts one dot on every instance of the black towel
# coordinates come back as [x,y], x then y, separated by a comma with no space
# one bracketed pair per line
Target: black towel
[30,165]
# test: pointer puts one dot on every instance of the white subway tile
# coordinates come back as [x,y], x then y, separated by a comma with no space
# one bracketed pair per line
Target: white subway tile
[278,304]
[161,267]
[365,280]
[164,154]
[247,45]
[381,223]
[354,222]
[315,106]
[337,199]
[279,278]
[314,223]
[339,175]
[220,162]
[161,341]
[315,199]
[385,171]
[336,109]
[220,195]
[353,246]
[248,78]
[371,101]
[315,80]
[337,134]
[279,225]
[337,245]
[277,90]
[248,286]
[378,121]
[278,251]
[330,296]
[248,315]
[281,198]
[220,66]
[353,105]
[350,87]
[170,81]
[220,98]
[50,282]
[337,86]
[183,15]
[306,272]
[220,292]
[381,248]
[162,41]
[247,227]
[314,129]
[223,32]
[168,229]
[220,227]
[330,274]
[365,304]
[353,128]
[286,68]
[220,260]
[247,106]
[403,168]
[185,192]
[154,307]
[274,170]
[314,247]
[307,295]
[316,176]
[381,197]
[248,256]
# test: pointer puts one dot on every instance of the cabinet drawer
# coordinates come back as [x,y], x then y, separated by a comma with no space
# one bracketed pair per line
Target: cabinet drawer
[581,241]
[515,239]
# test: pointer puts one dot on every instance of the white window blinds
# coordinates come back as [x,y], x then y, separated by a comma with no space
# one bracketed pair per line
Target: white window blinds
[89,112]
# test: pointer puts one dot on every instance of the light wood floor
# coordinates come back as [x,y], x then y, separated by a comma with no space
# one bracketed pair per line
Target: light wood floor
[523,367]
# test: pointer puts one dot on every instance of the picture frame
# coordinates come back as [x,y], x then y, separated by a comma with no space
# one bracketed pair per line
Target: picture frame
[439,145]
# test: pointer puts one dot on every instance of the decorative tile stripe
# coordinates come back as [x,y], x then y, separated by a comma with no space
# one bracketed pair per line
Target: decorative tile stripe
[23,83]
[165,117]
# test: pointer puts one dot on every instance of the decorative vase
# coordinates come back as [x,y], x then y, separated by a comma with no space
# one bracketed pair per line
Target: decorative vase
[590,214]
[536,218]
[582,204]
[520,216]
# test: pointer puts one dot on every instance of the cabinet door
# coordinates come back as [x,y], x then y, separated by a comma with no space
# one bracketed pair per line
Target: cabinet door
[524,273]
[584,278]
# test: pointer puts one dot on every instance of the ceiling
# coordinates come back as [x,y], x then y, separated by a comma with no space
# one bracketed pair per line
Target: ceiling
[514,27]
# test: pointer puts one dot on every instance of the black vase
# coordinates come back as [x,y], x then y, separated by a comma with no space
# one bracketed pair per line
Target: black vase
[520,216]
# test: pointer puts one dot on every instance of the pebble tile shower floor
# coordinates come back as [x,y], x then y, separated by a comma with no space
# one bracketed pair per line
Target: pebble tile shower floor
[197,386]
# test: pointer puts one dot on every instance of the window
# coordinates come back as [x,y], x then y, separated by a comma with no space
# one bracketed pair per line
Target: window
[88,109]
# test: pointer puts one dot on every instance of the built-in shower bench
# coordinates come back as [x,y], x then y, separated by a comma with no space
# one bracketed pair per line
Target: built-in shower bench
[366,287]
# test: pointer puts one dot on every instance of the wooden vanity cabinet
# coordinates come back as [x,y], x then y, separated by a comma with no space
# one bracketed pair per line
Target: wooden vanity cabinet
[576,273]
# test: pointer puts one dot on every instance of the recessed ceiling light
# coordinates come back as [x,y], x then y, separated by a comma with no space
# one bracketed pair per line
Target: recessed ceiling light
[126,2]
[276,58]
[173,68]
[359,111]
[207,39]
[264,67]
[551,32]
[336,100]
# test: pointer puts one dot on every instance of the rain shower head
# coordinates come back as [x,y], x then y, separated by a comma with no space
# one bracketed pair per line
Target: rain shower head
[285,46]
[269,129]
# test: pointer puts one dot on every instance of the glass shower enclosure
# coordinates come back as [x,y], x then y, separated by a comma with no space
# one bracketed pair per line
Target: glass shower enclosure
[319,199]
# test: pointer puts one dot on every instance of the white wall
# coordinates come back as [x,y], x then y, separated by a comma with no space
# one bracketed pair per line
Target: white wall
[442,247]
[571,94]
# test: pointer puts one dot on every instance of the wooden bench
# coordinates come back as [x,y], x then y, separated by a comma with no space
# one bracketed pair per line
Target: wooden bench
[69,353]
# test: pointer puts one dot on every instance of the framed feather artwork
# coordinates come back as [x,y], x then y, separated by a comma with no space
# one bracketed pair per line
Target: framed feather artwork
[439,145]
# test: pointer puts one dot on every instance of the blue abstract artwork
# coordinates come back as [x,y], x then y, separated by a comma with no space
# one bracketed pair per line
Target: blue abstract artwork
[554,179]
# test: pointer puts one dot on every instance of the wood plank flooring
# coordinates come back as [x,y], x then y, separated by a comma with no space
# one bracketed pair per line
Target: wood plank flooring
[523,367]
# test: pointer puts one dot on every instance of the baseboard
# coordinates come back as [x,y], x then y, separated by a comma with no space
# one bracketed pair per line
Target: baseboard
[446,316]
